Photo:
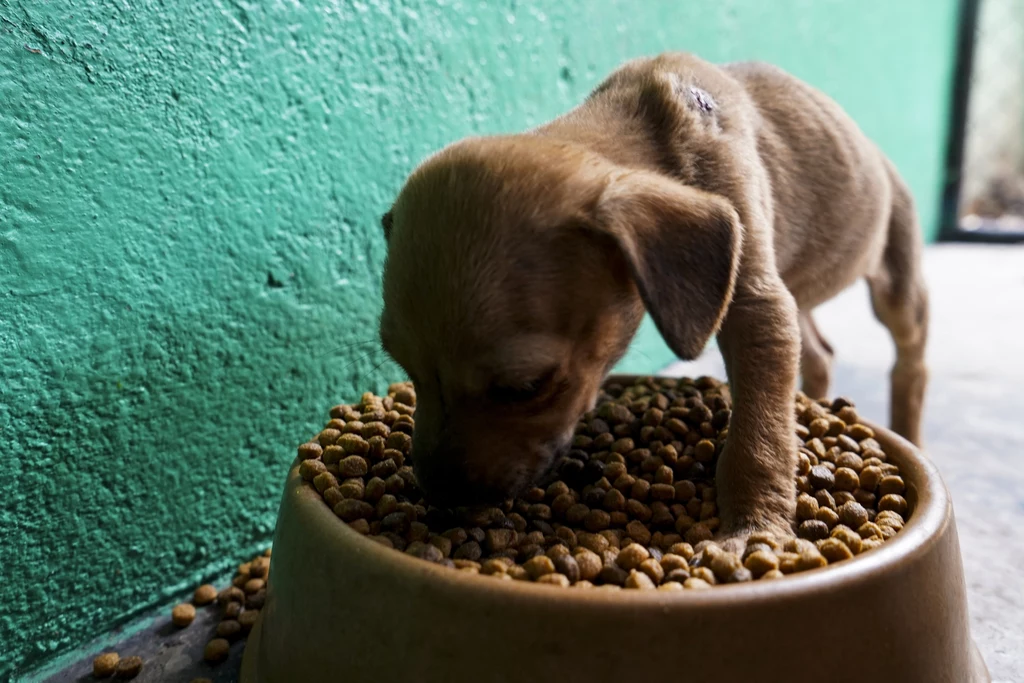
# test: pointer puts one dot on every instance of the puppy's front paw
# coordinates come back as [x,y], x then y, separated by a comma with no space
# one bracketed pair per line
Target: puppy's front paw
[737,540]
[756,493]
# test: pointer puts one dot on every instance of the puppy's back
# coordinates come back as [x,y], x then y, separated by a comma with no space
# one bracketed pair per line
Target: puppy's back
[767,141]
[830,183]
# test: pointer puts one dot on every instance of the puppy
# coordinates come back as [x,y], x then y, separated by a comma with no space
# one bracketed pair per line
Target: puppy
[726,200]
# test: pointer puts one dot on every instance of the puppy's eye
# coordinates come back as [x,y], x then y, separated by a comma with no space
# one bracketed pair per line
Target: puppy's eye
[520,392]
[501,393]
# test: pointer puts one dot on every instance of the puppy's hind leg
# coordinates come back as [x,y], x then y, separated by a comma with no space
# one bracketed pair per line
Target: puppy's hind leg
[815,358]
[900,301]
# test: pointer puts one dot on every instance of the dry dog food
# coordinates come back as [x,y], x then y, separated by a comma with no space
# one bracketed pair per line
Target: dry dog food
[128,668]
[217,650]
[103,665]
[204,595]
[240,608]
[240,605]
[111,664]
[632,505]
[182,615]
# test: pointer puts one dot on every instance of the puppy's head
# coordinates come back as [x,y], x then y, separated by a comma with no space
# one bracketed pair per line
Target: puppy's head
[517,273]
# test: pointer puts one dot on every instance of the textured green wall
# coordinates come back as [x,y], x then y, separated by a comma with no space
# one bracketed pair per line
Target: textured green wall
[189,250]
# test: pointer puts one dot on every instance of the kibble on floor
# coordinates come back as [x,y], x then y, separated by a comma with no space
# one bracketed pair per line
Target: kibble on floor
[128,668]
[204,595]
[216,650]
[632,505]
[103,665]
[239,612]
[239,605]
[182,615]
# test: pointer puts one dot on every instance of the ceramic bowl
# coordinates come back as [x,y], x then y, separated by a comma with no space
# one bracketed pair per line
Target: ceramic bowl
[341,608]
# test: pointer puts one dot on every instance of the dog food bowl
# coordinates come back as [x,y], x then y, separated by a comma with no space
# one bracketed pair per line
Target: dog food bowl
[341,608]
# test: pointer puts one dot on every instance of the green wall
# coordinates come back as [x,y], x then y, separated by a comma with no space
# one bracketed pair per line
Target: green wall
[189,251]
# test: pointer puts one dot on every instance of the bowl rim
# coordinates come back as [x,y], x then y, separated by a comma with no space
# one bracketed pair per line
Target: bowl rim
[931,513]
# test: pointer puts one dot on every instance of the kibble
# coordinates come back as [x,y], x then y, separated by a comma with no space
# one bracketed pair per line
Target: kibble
[704,574]
[846,479]
[821,477]
[639,580]
[232,594]
[825,499]
[633,505]
[889,518]
[538,566]
[813,529]
[128,668]
[182,615]
[870,477]
[834,550]
[589,563]
[239,604]
[806,507]
[103,665]
[554,579]
[247,619]
[850,538]
[217,650]
[827,515]
[853,515]
[256,600]
[811,559]
[631,557]
[893,502]
[310,469]
[760,562]
[229,629]
[869,530]
[892,484]
[567,566]
[204,595]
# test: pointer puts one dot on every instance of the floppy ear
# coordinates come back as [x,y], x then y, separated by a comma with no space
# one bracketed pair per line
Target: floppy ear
[385,222]
[682,246]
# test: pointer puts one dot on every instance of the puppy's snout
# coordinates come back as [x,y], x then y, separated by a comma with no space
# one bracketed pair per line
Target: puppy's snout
[446,479]
[460,476]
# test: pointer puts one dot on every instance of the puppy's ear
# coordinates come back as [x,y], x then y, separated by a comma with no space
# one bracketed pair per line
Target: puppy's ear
[385,222]
[682,246]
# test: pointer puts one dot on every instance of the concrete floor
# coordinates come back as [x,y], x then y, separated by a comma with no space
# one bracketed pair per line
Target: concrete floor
[974,432]
[974,418]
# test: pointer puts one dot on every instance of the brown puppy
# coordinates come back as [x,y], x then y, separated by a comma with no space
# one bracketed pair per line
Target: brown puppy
[729,200]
